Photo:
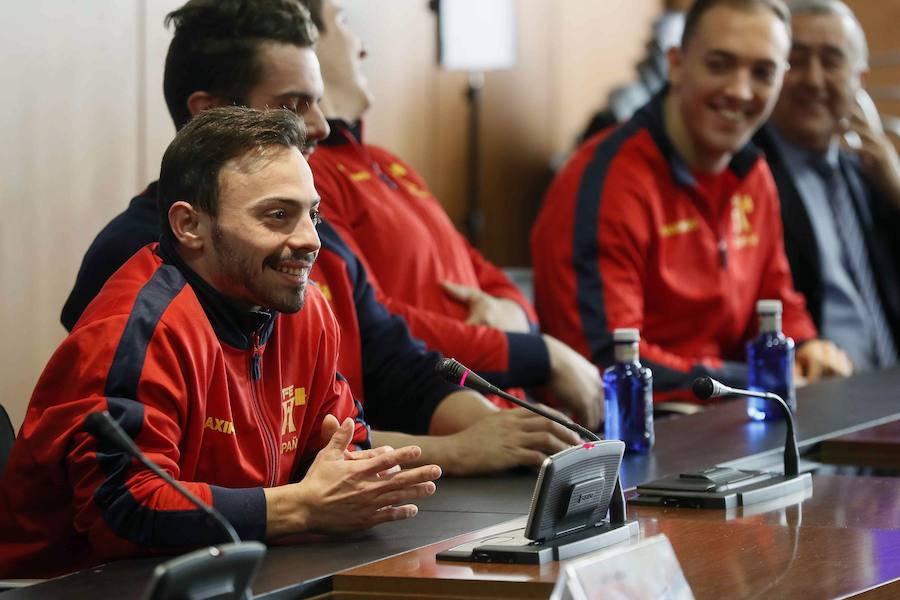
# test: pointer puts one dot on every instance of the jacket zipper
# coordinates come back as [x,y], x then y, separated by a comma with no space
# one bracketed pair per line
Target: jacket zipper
[715,224]
[268,437]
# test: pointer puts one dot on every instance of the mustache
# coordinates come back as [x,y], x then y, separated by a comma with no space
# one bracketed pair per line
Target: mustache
[308,258]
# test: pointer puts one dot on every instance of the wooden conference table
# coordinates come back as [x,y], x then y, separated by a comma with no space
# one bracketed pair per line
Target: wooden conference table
[840,541]
[877,447]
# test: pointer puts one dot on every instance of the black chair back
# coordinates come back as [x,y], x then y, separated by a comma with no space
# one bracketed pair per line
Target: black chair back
[7,437]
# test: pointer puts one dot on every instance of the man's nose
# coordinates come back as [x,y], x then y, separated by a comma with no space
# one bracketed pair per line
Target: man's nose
[317,128]
[305,238]
[813,73]
[741,85]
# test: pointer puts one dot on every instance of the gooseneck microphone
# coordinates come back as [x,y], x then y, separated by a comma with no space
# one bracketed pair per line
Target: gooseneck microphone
[457,373]
[707,387]
[104,428]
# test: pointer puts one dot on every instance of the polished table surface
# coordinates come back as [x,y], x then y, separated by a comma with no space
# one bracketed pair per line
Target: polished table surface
[722,434]
[840,540]
[875,447]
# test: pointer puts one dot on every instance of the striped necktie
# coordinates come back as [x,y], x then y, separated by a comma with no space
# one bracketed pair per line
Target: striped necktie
[856,257]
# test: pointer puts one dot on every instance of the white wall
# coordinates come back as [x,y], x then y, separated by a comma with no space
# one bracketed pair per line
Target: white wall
[80,119]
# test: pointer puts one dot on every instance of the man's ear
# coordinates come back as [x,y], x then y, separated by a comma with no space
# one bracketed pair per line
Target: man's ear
[189,226]
[863,78]
[674,57]
[200,101]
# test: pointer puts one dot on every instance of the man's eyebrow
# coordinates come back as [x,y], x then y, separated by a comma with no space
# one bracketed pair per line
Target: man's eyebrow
[725,54]
[274,200]
[300,96]
[833,49]
[719,53]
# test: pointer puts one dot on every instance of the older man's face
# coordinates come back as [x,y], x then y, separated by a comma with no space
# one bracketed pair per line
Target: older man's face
[821,85]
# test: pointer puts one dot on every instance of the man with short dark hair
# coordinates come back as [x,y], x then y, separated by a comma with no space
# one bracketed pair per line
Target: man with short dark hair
[670,222]
[840,205]
[269,41]
[199,348]
[256,54]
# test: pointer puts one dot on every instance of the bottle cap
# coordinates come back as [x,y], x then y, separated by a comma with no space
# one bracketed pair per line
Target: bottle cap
[626,334]
[768,307]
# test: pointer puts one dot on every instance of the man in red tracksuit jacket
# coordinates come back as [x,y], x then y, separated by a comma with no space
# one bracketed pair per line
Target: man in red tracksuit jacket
[259,53]
[421,267]
[197,346]
[671,223]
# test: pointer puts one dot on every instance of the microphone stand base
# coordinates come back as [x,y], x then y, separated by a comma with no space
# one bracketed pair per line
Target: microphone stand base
[512,547]
[218,572]
[671,492]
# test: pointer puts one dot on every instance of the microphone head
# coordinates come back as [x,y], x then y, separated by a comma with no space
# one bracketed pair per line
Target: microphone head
[98,424]
[104,428]
[703,388]
[450,368]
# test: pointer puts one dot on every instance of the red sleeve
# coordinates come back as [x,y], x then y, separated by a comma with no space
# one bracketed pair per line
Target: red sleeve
[122,507]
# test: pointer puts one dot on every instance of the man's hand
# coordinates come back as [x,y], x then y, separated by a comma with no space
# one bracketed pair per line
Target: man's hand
[346,491]
[876,152]
[484,309]
[816,359]
[506,439]
[576,383]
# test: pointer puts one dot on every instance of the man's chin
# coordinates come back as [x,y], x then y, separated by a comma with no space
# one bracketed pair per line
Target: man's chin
[289,305]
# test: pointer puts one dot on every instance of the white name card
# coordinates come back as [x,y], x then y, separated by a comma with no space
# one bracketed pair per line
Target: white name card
[645,570]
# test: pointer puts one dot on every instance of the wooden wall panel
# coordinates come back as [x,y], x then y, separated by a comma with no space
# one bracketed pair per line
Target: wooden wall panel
[880,22]
[572,53]
[68,117]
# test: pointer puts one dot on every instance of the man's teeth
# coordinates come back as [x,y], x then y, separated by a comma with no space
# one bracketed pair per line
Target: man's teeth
[731,115]
[290,270]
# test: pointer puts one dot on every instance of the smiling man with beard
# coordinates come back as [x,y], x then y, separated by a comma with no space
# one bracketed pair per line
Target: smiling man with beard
[670,223]
[199,348]
[259,53]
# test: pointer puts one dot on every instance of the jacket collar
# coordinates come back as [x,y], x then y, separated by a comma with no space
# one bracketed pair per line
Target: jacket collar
[651,117]
[343,132]
[234,325]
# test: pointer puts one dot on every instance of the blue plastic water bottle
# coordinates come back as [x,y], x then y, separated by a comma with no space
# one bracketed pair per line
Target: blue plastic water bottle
[770,359]
[628,389]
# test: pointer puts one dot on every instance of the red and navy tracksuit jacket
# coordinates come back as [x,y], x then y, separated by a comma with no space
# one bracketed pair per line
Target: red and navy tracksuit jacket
[385,367]
[386,214]
[227,401]
[628,236]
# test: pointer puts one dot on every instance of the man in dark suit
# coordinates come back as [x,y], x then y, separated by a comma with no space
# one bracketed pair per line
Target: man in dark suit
[838,177]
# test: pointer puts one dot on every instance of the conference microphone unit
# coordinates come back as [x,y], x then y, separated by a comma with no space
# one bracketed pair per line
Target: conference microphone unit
[577,505]
[724,487]
[221,572]
[707,387]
